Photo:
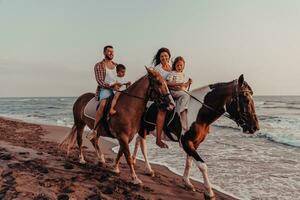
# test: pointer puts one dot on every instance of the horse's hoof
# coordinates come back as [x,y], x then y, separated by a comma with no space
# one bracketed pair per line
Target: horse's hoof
[137,182]
[209,196]
[102,161]
[116,170]
[82,161]
[150,173]
[189,185]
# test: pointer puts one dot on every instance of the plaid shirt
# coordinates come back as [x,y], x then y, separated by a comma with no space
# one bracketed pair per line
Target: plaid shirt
[100,71]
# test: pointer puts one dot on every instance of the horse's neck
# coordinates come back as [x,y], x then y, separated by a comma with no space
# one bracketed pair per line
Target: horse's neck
[215,98]
[139,89]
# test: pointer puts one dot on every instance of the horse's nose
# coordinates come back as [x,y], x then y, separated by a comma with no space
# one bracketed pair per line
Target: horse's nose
[255,128]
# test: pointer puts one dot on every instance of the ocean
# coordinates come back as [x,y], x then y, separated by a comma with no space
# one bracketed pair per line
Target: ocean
[261,166]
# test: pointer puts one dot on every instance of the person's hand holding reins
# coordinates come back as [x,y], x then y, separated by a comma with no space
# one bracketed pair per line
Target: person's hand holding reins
[116,86]
[128,84]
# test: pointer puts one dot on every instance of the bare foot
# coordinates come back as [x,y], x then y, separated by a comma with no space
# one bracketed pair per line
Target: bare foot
[112,111]
[162,145]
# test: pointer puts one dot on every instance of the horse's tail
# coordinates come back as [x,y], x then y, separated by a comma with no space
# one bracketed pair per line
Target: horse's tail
[69,140]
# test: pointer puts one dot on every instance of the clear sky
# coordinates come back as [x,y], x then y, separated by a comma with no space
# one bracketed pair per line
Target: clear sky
[49,48]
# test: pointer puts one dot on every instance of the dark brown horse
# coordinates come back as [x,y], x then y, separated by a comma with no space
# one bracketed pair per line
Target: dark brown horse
[207,105]
[126,122]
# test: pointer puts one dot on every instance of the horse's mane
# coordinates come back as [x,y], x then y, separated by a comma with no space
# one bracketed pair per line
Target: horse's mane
[226,85]
[136,82]
[221,86]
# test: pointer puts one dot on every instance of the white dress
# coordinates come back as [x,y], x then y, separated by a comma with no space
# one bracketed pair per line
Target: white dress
[162,72]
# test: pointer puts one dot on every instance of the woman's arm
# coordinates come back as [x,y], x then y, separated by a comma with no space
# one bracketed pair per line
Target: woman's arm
[178,86]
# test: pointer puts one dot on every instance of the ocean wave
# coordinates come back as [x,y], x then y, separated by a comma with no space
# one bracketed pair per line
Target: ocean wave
[280,107]
[226,126]
[37,116]
[267,117]
[286,139]
[22,100]
[52,107]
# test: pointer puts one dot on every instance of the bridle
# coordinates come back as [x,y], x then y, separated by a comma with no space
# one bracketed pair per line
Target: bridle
[240,120]
[158,100]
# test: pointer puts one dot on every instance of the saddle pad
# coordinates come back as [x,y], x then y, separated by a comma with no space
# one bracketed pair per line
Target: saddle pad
[91,108]
[90,112]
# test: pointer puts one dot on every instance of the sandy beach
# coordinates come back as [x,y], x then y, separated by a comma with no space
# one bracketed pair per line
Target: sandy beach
[33,167]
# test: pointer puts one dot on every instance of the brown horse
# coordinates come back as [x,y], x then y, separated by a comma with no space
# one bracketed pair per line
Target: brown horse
[212,102]
[126,122]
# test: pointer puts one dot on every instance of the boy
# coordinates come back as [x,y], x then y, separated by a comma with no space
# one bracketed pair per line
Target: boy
[121,69]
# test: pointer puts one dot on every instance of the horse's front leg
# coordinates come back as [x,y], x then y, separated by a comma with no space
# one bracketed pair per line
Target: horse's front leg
[203,168]
[123,140]
[186,174]
[136,148]
[142,142]
[189,148]
[144,151]
[116,168]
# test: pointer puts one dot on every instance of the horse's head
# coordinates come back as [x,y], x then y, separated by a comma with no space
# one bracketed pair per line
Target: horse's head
[159,91]
[241,107]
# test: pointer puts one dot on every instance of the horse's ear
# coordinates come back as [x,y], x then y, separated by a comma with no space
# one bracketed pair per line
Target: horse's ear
[149,70]
[241,80]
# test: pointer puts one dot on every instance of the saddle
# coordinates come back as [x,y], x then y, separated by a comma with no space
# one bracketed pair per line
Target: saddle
[91,109]
[172,126]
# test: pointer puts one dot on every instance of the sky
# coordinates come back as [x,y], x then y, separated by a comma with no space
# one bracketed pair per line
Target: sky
[50,47]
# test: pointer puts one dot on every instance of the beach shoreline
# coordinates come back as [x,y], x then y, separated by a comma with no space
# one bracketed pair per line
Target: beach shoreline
[36,144]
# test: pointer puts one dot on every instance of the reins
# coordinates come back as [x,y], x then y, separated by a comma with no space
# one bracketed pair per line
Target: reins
[216,111]
[131,95]
[207,106]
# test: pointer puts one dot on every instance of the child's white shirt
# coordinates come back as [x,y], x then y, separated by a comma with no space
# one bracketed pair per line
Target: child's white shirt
[122,80]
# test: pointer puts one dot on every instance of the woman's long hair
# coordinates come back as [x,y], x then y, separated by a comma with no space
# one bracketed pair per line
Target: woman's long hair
[156,59]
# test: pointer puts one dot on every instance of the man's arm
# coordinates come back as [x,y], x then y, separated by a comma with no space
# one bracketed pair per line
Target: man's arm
[100,75]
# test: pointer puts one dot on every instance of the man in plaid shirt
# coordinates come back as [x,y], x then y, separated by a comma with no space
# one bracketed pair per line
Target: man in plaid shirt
[105,74]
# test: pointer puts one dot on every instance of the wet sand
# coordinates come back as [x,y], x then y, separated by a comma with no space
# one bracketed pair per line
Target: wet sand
[33,167]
